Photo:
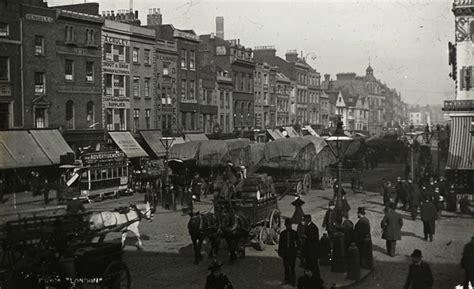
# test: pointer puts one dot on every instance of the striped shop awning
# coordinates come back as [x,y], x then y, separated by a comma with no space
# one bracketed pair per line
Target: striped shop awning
[461,144]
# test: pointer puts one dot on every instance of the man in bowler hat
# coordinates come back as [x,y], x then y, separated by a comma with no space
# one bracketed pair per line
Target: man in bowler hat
[363,239]
[311,245]
[419,273]
[287,249]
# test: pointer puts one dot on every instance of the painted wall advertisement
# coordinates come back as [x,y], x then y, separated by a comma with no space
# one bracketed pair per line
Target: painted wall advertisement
[114,63]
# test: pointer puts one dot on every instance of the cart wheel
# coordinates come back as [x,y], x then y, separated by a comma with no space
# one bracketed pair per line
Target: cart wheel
[274,229]
[262,237]
[307,183]
[115,276]
[299,188]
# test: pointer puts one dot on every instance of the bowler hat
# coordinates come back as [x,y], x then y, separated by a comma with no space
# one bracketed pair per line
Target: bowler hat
[214,265]
[361,210]
[331,203]
[288,222]
[416,253]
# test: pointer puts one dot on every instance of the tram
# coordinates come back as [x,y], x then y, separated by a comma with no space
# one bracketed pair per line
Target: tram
[97,175]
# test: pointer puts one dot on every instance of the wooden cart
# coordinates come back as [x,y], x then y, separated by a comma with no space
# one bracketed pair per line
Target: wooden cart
[258,203]
[57,252]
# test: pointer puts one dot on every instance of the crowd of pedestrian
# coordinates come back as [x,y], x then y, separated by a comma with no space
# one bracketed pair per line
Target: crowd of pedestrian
[314,251]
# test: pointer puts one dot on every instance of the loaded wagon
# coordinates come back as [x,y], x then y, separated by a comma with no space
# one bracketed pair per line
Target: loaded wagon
[57,252]
[257,202]
[293,162]
[208,158]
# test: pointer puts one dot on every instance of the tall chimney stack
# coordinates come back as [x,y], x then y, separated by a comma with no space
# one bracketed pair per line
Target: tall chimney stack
[220,27]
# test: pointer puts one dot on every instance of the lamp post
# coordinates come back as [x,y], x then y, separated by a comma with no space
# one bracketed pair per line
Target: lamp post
[411,138]
[337,139]
[167,142]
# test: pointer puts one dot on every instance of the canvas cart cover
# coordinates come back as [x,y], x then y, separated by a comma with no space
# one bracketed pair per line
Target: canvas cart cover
[294,154]
[52,143]
[318,142]
[324,156]
[128,144]
[256,155]
[285,148]
[18,149]
[185,151]
[218,152]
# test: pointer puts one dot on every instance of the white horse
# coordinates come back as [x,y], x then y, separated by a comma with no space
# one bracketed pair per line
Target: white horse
[124,220]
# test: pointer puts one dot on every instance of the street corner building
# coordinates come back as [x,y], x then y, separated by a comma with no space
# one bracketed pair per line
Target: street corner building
[460,165]
[50,65]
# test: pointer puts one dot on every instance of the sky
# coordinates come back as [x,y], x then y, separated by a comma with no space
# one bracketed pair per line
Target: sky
[406,40]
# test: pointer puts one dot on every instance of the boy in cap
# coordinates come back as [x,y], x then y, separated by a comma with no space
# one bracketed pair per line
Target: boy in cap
[419,273]
[217,279]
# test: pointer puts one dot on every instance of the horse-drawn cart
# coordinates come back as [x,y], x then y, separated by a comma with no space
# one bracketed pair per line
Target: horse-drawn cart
[57,252]
[257,204]
[293,162]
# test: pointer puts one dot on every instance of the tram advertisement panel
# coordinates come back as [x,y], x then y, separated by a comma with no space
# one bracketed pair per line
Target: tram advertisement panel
[103,159]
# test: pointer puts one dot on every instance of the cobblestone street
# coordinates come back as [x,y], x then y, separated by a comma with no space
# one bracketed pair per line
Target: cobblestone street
[167,261]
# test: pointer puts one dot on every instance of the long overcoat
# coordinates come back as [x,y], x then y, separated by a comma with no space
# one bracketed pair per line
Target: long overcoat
[392,225]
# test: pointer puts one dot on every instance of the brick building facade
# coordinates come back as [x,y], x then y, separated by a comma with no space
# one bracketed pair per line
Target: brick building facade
[189,118]
[58,84]
[166,73]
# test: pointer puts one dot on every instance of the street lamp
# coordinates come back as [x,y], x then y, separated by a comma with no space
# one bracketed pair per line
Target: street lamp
[167,142]
[411,142]
[336,142]
[339,143]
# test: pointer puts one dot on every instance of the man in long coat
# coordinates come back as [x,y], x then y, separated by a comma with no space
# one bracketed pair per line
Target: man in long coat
[287,249]
[401,188]
[451,199]
[428,217]
[413,199]
[467,263]
[346,227]
[311,245]
[363,239]
[419,273]
[330,220]
[392,229]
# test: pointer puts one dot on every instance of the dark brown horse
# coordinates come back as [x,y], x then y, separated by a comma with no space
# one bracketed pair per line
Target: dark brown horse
[203,226]
[235,230]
